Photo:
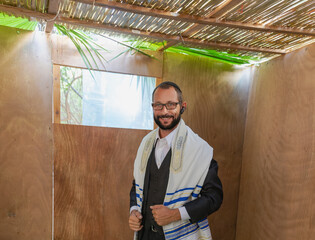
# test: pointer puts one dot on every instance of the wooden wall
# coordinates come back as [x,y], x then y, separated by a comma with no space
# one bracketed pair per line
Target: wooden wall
[277,194]
[217,95]
[25,136]
[93,176]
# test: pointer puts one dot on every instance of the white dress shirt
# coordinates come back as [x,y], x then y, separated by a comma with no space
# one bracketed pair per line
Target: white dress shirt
[162,147]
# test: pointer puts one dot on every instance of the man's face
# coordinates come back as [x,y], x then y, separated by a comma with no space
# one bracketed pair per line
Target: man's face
[166,119]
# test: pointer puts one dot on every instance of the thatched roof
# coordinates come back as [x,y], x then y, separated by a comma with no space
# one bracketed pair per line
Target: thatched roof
[264,28]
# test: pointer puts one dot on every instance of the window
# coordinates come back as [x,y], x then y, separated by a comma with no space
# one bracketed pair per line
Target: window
[107,99]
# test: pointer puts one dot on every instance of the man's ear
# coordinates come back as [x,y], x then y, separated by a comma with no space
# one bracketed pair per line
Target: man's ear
[183,107]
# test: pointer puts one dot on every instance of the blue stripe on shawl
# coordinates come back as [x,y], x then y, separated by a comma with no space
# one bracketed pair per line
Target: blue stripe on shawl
[186,230]
[185,234]
[139,187]
[194,195]
[175,201]
[138,196]
[179,234]
[204,226]
[203,223]
[181,227]
[180,190]
[183,189]
[180,199]
[174,228]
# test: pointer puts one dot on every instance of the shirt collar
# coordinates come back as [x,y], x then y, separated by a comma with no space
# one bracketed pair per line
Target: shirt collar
[168,138]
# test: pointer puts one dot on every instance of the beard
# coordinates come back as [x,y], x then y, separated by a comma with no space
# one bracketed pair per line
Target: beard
[171,125]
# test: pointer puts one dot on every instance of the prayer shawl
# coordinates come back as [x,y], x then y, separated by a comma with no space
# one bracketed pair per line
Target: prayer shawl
[191,158]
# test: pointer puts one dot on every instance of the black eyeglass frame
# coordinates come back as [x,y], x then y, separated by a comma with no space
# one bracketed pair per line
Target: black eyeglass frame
[155,105]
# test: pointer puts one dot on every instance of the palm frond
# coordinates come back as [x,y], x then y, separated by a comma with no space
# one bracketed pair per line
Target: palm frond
[17,22]
[130,47]
[216,55]
[83,44]
[209,53]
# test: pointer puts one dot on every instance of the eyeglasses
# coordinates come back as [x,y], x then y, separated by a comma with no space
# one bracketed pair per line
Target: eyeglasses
[169,105]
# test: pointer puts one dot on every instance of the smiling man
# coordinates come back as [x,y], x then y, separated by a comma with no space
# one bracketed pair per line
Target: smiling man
[175,185]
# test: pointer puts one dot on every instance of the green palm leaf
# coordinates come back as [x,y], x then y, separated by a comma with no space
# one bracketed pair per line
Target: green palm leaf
[17,22]
[83,44]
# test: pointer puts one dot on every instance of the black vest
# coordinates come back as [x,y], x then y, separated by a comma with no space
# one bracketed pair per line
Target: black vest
[155,184]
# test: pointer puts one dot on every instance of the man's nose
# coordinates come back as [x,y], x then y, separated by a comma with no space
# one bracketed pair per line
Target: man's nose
[164,109]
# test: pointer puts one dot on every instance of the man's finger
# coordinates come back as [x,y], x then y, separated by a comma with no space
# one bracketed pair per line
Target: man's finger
[136,229]
[134,223]
[156,206]
[138,215]
[133,218]
[156,209]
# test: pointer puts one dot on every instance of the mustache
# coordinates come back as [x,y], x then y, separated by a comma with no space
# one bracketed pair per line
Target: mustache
[166,116]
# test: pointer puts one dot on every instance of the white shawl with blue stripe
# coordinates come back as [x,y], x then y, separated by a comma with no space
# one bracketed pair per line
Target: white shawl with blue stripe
[191,158]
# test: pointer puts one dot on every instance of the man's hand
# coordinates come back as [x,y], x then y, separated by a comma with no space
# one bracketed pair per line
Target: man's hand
[135,220]
[164,215]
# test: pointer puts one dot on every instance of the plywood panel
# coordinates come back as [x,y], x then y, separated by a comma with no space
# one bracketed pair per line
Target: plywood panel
[25,136]
[277,195]
[93,174]
[56,93]
[217,95]
[118,58]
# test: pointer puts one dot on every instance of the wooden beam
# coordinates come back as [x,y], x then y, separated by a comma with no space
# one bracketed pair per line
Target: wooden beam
[158,81]
[168,45]
[194,19]
[159,36]
[56,93]
[53,9]
[49,26]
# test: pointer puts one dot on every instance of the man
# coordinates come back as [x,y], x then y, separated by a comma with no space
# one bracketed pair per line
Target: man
[175,183]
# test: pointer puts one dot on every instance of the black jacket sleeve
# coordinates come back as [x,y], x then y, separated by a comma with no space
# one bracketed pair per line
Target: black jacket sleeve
[133,196]
[210,198]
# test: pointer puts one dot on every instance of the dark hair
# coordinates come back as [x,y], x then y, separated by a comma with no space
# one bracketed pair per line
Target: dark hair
[167,85]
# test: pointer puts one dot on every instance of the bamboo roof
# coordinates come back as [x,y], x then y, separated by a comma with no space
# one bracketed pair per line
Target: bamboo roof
[259,28]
